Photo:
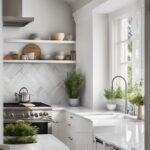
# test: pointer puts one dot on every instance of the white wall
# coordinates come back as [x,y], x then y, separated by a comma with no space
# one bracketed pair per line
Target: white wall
[100,60]
[50,16]
[92,56]
[1,79]
[43,81]
[84,57]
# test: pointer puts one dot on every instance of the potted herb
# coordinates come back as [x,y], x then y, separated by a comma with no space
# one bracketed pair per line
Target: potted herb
[20,133]
[110,96]
[73,84]
[138,100]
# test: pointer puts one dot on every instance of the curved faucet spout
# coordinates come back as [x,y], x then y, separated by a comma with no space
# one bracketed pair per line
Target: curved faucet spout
[126,92]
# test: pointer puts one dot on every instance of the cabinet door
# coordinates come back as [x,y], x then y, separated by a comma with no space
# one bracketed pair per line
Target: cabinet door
[84,141]
[58,125]
[70,142]
[99,146]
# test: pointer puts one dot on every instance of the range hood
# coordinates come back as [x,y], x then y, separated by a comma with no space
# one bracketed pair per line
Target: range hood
[12,14]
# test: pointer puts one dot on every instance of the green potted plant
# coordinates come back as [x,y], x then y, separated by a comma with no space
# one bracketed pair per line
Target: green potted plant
[138,100]
[110,97]
[73,84]
[20,133]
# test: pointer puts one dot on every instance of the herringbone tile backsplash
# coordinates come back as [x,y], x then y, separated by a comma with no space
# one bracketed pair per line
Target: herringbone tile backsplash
[44,81]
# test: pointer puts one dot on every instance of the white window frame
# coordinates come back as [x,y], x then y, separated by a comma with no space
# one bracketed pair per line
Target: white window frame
[113,17]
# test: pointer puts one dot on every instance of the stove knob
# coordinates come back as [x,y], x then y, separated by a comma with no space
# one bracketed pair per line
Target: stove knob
[36,115]
[45,114]
[40,114]
[12,115]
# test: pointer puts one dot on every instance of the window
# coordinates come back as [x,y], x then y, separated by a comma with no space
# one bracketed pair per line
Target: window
[124,48]
[127,57]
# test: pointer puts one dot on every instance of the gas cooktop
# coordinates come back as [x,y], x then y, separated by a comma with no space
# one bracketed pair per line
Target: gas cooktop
[40,112]
[37,104]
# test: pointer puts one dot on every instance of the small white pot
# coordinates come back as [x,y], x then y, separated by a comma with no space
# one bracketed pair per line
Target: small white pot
[111,107]
[73,102]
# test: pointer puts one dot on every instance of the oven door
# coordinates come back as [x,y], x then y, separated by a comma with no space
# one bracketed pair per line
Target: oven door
[43,127]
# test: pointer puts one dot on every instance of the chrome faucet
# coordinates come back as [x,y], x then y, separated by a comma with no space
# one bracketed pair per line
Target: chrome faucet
[126,92]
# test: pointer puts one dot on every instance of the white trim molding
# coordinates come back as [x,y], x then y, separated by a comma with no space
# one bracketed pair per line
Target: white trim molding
[87,10]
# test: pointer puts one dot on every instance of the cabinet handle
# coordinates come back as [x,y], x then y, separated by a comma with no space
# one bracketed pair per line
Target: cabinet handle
[69,124]
[71,117]
[70,138]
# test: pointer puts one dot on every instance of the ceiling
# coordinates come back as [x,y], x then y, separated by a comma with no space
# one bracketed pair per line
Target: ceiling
[76,4]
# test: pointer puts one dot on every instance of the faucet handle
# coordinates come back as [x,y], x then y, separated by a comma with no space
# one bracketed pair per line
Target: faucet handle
[131,109]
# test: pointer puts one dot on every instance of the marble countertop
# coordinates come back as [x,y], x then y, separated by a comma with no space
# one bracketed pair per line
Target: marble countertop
[128,135]
[77,110]
[45,142]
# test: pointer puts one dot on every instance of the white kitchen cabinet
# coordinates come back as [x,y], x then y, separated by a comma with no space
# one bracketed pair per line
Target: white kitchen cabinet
[79,133]
[100,145]
[58,125]
[84,141]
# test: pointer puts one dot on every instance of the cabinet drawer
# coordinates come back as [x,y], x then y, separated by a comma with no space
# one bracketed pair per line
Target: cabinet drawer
[78,124]
[70,142]
[70,117]
[70,121]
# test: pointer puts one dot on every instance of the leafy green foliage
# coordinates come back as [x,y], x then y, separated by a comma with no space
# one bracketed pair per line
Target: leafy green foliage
[137,99]
[20,129]
[109,94]
[135,95]
[73,84]
[20,133]
[114,94]
[119,94]
[19,139]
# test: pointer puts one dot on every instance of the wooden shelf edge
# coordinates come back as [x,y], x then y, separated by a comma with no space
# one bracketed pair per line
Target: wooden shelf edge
[41,61]
[39,41]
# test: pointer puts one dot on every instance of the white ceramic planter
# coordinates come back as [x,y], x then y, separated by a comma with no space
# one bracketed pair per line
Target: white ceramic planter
[73,102]
[111,107]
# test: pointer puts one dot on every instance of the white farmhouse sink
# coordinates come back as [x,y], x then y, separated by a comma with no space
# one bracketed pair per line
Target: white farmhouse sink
[104,119]
[101,116]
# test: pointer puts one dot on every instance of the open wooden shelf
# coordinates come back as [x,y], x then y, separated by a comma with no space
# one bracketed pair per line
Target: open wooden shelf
[41,61]
[39,41]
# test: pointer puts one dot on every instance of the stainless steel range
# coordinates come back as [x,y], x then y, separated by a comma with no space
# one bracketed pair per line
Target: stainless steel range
[38,114]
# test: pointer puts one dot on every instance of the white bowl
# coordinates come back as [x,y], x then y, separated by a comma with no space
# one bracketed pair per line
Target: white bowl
[58,36]
[60,57]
